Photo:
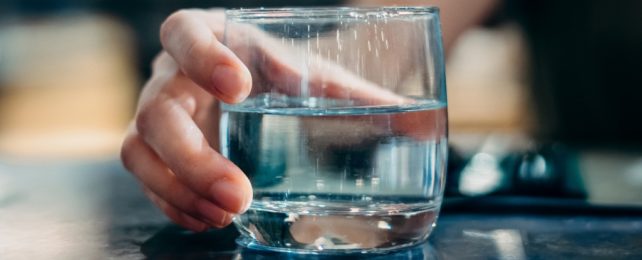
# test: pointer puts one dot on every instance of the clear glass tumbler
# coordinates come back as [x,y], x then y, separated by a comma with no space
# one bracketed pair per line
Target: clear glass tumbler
[344,134]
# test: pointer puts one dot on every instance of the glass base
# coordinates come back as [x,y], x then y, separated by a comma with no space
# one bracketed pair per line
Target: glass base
[252,244]
[332,230]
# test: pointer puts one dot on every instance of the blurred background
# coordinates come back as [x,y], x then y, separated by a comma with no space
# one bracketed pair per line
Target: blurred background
[539,71]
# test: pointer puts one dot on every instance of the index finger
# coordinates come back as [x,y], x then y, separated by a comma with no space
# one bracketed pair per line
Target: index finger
[191,38]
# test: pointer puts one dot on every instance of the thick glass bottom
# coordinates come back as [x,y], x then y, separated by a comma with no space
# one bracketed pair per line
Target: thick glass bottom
[295,227]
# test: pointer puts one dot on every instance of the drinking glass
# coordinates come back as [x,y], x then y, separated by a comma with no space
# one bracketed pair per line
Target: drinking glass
[344,134]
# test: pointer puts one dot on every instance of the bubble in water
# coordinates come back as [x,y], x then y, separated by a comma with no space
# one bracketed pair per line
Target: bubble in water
[292,217]
[339,47]
[375,181]
[383,225]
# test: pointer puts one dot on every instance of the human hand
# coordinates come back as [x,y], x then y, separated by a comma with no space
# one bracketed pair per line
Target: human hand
[170,146]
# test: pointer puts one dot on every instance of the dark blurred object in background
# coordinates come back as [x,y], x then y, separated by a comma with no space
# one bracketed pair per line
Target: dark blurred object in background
[586,58]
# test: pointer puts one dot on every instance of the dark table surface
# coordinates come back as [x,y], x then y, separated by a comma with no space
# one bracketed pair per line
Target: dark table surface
[95,210]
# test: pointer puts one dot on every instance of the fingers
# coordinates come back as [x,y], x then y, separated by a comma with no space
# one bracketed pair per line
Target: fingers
[176,215]
[280,69]
[166,126]
[159,180]
[191,37]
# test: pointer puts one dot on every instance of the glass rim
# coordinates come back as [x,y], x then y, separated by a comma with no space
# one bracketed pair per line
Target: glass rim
[330,12]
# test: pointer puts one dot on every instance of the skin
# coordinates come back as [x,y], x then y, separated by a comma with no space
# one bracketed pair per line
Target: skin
[170,146]
[165,147]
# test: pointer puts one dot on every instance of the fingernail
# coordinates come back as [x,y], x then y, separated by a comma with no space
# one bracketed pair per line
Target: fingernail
[214,216]
[230,196]
[230,83]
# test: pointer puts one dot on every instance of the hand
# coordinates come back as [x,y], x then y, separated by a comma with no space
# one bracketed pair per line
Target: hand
[169,147]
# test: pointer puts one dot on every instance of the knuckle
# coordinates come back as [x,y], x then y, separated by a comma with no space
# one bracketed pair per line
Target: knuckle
[171,190]
[186,166]
[144,117]
[195,48]
[163,65]
[191,160]
[157,61]
[190,163]
[126,151]
[172,21]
